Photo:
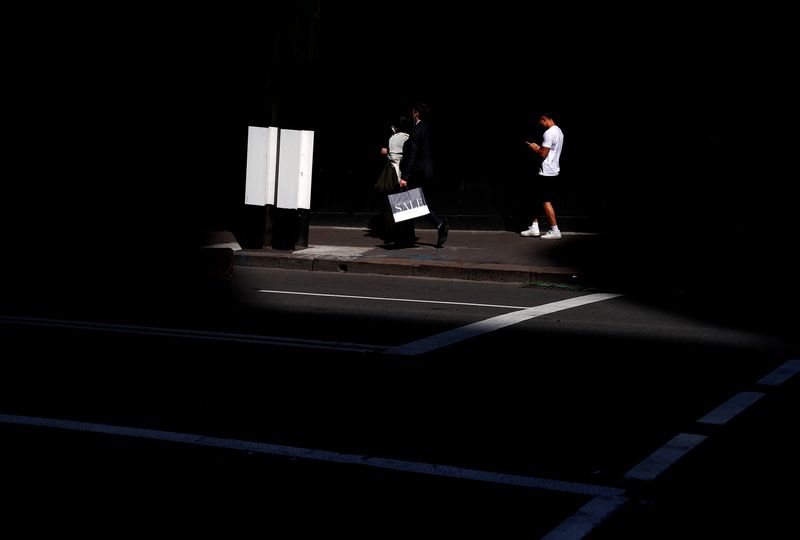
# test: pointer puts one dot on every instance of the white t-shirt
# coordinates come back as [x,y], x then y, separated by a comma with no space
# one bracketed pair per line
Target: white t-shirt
[554,140]
[396,142]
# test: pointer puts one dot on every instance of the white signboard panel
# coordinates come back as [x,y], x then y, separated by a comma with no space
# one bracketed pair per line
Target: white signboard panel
[262,163]
[296,150]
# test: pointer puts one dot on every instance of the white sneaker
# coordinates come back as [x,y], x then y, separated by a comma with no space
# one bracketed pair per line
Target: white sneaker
[530,231]
[551,235]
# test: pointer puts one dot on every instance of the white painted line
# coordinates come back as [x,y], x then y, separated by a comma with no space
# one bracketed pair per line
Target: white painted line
[665,456]
[318,455]
[731,408]
[194,334]
[781,374]
[386,299]
[495,323]
[586,519]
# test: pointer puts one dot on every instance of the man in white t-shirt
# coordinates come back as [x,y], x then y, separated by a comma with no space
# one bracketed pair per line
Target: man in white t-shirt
[550,152]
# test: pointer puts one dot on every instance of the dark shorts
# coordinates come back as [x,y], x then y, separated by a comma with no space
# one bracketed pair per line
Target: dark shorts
[543,188]
[548,187]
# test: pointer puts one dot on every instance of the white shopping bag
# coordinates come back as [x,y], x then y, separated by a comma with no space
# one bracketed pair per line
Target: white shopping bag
[408,204]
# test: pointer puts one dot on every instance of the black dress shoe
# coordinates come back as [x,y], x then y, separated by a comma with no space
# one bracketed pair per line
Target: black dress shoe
[443,229]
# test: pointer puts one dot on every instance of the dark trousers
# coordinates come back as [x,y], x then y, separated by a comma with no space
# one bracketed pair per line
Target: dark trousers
[431,190]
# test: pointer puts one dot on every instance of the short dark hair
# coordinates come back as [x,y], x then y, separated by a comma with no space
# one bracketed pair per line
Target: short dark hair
[403,125]
[423,109]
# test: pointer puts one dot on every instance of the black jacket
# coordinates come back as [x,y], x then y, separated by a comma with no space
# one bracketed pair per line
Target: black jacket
[417,162]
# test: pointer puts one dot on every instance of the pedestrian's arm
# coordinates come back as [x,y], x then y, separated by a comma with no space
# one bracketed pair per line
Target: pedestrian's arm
[541,150]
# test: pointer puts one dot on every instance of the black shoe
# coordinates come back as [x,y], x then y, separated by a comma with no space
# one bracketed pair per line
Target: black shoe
[443,229]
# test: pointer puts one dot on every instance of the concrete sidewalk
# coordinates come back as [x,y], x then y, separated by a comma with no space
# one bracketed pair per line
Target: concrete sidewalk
[468,255]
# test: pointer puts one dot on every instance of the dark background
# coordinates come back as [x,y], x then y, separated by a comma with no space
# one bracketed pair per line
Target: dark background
[128,128]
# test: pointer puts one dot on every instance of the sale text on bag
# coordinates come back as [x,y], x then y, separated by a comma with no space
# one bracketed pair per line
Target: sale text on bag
[408,204]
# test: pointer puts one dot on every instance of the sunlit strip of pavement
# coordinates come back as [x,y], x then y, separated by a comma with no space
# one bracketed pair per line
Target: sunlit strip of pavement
[319,455]
[495,323]
[728,410]
[387,299]
[194,334]
[586,519]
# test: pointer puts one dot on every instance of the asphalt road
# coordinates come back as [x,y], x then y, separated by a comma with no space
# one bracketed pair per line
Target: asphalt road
[376,406]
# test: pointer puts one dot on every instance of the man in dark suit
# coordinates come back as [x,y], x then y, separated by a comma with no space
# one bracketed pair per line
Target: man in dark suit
[416,167]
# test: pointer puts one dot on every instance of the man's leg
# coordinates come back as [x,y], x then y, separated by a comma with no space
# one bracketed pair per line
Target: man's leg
[551,214]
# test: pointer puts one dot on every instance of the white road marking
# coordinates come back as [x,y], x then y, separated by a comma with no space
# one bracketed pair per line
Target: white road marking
[495,323]
[587,518]
[319,455]
[194,334]
[385,299]
[781,374]
[731,408]
[459,334]
[665,456]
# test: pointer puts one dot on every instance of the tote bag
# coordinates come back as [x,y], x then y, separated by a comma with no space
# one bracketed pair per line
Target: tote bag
[408,204]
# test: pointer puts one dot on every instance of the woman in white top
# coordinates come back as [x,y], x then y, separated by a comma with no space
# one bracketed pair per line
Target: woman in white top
[390,176]
[389,182]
